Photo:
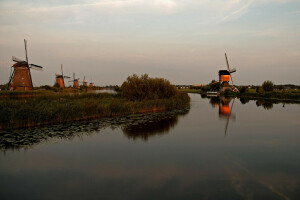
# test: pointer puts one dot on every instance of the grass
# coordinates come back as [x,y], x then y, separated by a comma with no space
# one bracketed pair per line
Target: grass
[64,107]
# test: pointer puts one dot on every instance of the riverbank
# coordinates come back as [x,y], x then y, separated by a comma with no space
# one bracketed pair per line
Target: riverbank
[288,95]
[61,108]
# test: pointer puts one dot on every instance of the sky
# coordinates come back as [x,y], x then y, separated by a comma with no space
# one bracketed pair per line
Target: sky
[183,41]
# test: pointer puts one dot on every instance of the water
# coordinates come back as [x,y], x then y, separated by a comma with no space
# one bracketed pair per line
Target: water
[219,149]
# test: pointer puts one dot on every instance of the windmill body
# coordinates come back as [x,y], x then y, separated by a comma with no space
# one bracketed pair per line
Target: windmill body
[76,84]
[91,85]
[60,81]
[21,78]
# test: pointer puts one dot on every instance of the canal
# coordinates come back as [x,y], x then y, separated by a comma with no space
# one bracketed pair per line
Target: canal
[217,149]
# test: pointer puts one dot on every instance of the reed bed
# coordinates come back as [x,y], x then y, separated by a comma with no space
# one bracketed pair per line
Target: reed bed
[52,109]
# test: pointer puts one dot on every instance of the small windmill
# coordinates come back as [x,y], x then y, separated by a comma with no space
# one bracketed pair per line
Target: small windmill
[225,77]
[60,78]
[20,78]
[84,83]
[91,83]
[75,81]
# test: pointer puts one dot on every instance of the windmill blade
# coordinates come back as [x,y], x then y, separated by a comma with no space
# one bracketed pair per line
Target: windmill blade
[228,117]
[232,70]
[15,59]
[83,78]
[61,67]
[36,67]
[73,75]
[67,77]
[25,43]
[228,68]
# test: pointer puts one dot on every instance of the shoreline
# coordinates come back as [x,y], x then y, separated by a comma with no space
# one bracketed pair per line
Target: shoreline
[276,96]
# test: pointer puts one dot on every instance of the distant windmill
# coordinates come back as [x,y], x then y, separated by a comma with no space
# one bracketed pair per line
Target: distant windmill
[20,78]
[60,78]
[91,83]
[225,76]
[84,83]
[75,81]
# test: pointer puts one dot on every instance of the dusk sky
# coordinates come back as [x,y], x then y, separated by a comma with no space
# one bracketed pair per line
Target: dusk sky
[180,40]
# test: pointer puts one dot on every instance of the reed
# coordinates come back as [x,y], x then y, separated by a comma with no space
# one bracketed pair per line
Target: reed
[60,108]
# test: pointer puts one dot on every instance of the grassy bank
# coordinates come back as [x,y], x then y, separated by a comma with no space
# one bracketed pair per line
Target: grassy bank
[293,95]
[60,108]
[252,94]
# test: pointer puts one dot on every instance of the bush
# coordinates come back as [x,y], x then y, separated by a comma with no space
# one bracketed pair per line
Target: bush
[243,90]
[268,86]
[144,87]
[259,90]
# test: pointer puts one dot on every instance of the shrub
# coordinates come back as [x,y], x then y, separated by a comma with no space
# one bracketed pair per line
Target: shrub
[268,86]
[144,87]
[243,90]
[259,90]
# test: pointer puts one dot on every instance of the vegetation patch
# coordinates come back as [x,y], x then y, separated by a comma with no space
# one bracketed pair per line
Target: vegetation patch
[49,108]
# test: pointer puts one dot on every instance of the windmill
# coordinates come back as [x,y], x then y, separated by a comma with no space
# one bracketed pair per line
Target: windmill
[60,78]
[91,83]
[225,77]
[75,81]
[84,83]
[20,78]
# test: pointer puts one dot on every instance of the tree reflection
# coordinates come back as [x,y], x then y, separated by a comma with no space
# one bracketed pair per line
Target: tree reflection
[157,125]
[265,104]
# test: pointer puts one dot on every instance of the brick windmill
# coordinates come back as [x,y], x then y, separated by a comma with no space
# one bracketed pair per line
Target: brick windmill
[91,83]
[225,76]
[84,83]
[20,78]
[75,81]
[60,79]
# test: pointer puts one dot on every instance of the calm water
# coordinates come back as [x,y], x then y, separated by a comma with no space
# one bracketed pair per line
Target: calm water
[219,149]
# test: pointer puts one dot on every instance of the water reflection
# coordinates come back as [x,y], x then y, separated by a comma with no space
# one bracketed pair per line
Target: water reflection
[154,125]
[134,127]
[225,108]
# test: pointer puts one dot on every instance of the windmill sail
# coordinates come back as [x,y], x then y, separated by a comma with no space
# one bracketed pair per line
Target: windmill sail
[15,59]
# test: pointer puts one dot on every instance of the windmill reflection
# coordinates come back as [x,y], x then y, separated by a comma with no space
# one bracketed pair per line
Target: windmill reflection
[225,108]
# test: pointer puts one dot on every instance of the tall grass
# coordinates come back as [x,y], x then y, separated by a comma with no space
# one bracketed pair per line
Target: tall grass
[49,109]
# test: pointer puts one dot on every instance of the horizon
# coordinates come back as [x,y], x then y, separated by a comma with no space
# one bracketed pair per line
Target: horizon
[184,42]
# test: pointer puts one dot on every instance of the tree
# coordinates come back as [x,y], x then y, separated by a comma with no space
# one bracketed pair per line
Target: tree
[144,87]
[268,86]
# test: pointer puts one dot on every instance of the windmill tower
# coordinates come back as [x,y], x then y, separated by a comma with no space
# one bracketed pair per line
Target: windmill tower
[84,83]
[75,81]
[20,78]
[225,77]
[60,79]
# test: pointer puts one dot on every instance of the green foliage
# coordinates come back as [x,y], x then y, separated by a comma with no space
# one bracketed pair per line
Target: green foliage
[144,87]
[268,86]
